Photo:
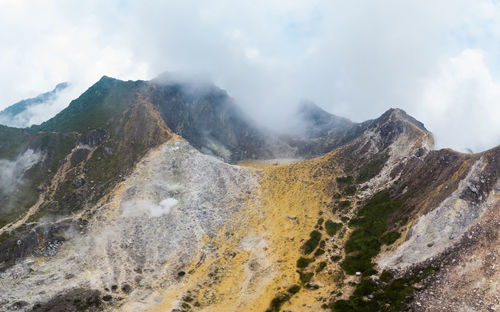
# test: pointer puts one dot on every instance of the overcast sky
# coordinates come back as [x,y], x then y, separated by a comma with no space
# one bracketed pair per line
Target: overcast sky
[438,60]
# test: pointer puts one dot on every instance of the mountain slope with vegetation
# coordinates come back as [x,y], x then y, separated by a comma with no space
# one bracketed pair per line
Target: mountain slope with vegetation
[163,196]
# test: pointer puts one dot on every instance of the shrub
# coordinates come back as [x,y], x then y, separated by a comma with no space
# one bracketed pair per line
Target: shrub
[278,302]
[345,204]
[294,289]
[312,242]
[390,238]
[344,179]
[304,262]
[386,276]
[365,240]
[332,227]
[348,168]
[306,277]
[321,266]
[319,252]
[350,190]
[335,258]
[322,244]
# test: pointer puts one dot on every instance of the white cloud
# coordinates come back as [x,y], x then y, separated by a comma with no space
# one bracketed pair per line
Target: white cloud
[12,171]
[355,58]
[462,103]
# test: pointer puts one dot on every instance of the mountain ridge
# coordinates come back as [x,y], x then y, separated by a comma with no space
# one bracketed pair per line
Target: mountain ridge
[18,115]
[137,185]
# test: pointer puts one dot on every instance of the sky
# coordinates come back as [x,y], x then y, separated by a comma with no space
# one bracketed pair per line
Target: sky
[437,60]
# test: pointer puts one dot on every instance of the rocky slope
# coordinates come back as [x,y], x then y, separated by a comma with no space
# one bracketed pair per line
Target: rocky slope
[160,196]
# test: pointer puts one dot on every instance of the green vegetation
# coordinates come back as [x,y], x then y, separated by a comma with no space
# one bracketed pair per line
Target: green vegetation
[319,252]
[345,204]
[312,242]
[304,262]
[372,294]
[294,289]
[386,276]
[332,227]
[278,302]
[344,179]
[371,169]
[105,100]
[321,266]
[335,258]
[390,238]
[365,241]
[13,141]
[389,295]
[350,190]
[305,277]
[348,168]
[187,298]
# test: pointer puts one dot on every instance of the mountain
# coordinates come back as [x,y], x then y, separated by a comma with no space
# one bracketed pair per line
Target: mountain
[20,114]
[162,195]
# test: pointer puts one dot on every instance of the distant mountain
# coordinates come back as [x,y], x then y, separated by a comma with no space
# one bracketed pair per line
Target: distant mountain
[162,195]
[18,114]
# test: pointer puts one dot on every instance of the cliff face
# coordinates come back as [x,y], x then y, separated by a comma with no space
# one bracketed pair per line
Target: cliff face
[131,200]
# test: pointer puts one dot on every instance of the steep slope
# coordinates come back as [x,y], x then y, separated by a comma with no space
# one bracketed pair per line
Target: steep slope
[80,163]
[142,210]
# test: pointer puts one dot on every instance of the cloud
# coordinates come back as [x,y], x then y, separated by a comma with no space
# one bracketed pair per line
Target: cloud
[12,171]
[354,58]
[37,113]
[463,95]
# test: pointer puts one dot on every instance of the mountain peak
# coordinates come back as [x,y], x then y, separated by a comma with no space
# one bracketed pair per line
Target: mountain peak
[317,122]
[399,114]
